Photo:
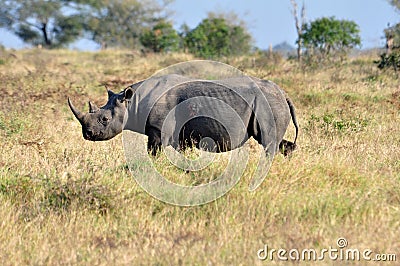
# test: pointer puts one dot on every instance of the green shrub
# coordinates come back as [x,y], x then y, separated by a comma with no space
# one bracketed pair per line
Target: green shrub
[391,60]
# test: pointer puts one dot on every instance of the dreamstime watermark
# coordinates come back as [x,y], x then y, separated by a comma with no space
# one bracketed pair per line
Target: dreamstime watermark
[341,252]
[205,90]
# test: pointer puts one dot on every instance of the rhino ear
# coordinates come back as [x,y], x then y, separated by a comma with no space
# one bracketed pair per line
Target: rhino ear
[110,93]
[125,95]
[128,94]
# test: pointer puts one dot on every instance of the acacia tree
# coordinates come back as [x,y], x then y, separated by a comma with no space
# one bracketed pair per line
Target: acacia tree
[328,38]
[49,23]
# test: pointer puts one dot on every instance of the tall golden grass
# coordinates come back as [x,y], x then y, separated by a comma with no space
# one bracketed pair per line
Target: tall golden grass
[65,200]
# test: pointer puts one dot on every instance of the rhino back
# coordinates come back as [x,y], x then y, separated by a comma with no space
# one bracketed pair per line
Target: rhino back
[203,109]
[154,101]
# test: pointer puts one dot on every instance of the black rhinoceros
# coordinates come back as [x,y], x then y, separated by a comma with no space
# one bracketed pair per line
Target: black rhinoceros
[181,111]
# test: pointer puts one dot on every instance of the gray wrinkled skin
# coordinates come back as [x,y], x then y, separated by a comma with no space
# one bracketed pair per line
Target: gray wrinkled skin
[143,107]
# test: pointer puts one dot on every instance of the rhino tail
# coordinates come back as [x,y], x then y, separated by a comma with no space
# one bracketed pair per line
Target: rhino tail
[294,119]
[287,147]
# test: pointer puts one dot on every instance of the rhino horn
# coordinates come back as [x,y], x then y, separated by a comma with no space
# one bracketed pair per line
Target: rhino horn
[75,111]
[109,92]
[93,108]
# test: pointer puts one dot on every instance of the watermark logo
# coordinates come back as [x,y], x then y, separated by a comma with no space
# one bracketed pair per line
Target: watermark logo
[217,95]
[340,252]
[341,242]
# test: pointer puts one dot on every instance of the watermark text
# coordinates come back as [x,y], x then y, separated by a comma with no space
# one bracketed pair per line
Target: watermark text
[339,252]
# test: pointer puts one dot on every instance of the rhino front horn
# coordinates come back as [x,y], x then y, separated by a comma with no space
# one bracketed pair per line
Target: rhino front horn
[75,111]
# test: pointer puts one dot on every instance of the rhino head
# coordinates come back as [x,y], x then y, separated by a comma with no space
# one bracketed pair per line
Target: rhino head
[105,122]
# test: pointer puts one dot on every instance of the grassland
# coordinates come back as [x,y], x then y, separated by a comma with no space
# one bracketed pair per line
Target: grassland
[64,200]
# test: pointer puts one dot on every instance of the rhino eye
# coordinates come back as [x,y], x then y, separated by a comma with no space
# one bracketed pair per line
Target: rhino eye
[105,120]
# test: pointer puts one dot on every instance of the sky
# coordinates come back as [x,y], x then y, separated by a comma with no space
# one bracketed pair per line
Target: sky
[270,21]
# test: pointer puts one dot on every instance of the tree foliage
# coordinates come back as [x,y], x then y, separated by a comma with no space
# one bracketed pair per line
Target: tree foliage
[160,38]
[57,23]
[121,22]
[132,24]
[393,33]
[395,3]
[215,37]
[49,23]
[329,38]
[391,58]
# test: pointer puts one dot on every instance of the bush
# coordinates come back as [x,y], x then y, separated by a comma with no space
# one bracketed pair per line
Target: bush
[215,37]
[392,56]
[162,37]
[390,60]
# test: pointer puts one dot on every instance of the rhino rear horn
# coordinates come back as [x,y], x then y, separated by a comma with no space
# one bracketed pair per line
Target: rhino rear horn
[79,115]
[93,108]
[109,92]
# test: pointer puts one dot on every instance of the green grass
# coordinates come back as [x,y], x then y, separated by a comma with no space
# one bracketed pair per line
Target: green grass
[68,201]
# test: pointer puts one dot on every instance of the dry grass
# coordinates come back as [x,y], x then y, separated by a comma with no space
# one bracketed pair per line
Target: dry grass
[68,201]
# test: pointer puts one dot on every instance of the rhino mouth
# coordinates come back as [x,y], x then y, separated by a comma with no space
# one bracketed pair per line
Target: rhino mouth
[87,135]
[94,138]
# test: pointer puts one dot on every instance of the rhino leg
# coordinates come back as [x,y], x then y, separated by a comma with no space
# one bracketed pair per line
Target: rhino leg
[186,141]
[154,141]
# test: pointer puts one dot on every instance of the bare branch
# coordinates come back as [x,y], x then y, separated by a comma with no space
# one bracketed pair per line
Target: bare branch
[299,23]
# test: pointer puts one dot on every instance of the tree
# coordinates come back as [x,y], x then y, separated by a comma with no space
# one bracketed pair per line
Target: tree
[215,37]
[395,3]
[240,39]
[49,23]
[391,58]
[299,23]
[161,37]
[119,23]
[392,33]
[327,38]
